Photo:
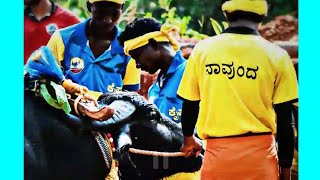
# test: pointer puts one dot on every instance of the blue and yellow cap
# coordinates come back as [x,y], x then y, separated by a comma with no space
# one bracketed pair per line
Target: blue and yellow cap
[114,1]
[255,6]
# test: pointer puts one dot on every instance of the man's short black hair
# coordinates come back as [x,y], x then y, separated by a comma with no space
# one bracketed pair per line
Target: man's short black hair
[139,27]
[242,15]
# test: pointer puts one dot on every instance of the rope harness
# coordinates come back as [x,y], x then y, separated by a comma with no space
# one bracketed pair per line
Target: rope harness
[105,148]
[155,153]
[149,153]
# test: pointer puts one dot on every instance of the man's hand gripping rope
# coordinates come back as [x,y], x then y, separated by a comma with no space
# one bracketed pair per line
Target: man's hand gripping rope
[85,104]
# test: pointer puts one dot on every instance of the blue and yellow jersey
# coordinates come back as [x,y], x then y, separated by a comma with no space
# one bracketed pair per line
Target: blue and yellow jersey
[111,71]
[238,78]
[163,93]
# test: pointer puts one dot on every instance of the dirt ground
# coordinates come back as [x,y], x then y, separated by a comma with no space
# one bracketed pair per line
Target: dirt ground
[282,28]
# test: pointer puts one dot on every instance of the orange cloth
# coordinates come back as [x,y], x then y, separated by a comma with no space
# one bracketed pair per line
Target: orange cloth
[240,158]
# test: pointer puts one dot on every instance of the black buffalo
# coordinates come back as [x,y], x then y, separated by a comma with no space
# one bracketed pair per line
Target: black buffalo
[60,146]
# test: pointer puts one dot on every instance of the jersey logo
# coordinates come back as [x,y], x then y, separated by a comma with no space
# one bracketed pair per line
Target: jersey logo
[76,65]
[112,88]
[51,28]
[174,113]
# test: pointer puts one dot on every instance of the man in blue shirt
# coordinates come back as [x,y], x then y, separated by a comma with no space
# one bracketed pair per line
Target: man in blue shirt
[150,44]
[90,54]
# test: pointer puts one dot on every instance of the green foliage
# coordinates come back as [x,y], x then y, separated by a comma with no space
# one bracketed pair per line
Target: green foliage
[190,15]
[282,7]
[78,7]
[167,14]
[216,26]
[165,4]
[129,13]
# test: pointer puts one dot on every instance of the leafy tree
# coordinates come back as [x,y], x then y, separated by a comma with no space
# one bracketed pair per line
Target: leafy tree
[193,16]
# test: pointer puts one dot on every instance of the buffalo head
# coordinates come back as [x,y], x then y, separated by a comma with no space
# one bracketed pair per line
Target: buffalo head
[147,129]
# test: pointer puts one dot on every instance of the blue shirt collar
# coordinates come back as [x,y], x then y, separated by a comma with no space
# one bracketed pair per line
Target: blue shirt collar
[178,59]
[116,48]
[81,39]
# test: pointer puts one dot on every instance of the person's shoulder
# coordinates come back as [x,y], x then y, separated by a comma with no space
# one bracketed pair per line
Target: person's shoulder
[68,32]
[271,47]
[210,40]
[61,11]
[203,44]
[69,28]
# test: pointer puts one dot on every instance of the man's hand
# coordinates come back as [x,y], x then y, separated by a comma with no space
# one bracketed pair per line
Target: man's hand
[190,146]
[72,88]
[285,173]
[91,98]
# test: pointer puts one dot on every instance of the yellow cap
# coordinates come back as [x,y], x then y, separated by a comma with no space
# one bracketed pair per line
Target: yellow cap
[160,36]
[115,1]
[255,6]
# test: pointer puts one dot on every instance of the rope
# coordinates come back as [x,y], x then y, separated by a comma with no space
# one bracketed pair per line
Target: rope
[76,102]
[81,95]
[155,153]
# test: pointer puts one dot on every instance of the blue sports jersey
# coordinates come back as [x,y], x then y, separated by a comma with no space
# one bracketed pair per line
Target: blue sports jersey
[163,93]
[109,72]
